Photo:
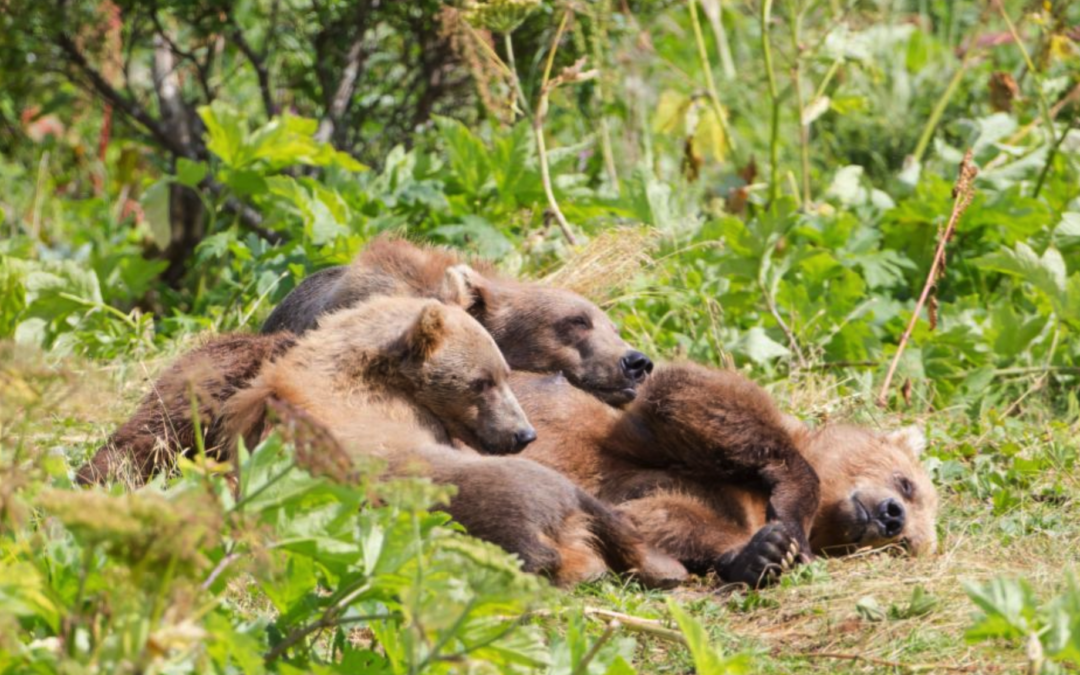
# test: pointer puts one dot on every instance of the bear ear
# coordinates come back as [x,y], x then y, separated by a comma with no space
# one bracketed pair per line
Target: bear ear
[424,337]
[467,288]
[911,437]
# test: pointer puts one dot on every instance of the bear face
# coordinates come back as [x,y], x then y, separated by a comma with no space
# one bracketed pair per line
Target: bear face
[874,489]
[435,354]
[550,330]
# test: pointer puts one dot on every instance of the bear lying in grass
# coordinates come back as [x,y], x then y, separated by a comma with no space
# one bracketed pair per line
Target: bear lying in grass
[713,474]
[538,328]
[399,378]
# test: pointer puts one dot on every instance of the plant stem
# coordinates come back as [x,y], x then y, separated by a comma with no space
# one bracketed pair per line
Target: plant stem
[514,75]
[939,109]
[538,132]
[962,194]
[583,666]
[710,84]
[774,133]
[716,20]
[598,34]
[804,126]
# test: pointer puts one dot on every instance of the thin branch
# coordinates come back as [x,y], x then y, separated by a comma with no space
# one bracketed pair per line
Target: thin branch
[261,72]
[129,107]
[572,74]
[963,191]
[345,88]
[583,665]
[638,625]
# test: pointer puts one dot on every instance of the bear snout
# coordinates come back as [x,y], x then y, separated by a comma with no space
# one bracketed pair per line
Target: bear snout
[890,518]
[523,437]
[635,365]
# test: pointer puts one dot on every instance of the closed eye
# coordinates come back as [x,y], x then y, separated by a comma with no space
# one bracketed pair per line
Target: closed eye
[907,488]
[581,322]
[481,384]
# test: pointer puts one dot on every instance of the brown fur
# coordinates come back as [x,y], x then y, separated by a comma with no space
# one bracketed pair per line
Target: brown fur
[163,426]
[397,378]
[703,465]
[538,328]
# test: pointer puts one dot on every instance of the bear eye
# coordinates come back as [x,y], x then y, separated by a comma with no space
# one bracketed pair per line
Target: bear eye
[907,488]
[481,384]
[580,322]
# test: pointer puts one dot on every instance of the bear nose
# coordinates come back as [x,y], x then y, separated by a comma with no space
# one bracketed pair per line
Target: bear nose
[890,517]
[636,365]
[523,437]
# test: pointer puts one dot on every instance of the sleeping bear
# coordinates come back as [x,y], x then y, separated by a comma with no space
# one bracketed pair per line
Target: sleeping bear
[539,328]
[402,379]
[713,474]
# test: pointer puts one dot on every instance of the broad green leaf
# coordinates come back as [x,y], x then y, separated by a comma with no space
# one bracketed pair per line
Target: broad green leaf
[155,206]
[226,133]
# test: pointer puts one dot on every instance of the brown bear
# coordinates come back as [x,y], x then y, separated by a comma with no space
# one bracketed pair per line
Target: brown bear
[399,378]
[163,425]
[711,473]
[538,328]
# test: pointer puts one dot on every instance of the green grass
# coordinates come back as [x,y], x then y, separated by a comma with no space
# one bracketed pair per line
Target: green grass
[812,621]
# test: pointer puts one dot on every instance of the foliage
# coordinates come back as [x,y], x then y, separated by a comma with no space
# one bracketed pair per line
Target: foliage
[1049,631]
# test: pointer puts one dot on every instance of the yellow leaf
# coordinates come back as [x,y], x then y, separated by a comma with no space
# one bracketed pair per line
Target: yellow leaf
[709,136]
[671,112]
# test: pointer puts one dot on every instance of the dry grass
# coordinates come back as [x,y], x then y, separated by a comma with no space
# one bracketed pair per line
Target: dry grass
[607,264]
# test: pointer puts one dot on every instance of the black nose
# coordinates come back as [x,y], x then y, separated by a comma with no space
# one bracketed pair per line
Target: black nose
[890,517]
[523,438]
[636,365]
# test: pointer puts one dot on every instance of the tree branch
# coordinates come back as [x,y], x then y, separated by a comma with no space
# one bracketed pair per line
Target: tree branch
[129,107]
[261,72]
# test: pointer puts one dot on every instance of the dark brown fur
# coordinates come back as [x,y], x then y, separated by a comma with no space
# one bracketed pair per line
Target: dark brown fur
[163,425]
[709,470]
[692,430]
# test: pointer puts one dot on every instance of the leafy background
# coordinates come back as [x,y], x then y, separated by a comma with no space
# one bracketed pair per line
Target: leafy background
[759,184]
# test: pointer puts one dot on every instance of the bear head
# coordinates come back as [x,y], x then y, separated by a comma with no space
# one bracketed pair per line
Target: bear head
[450,365]
[874,489]
[551,330]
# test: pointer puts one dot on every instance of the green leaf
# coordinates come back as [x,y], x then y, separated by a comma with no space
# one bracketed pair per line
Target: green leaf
[759,347]
[467,155]
[190,173]
[1008,609]
[226,133]
[155,206]
[708,660]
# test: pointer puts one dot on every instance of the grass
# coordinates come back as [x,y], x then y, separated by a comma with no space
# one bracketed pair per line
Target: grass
[812,621]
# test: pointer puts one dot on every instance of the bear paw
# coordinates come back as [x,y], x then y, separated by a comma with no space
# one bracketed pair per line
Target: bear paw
[770,553]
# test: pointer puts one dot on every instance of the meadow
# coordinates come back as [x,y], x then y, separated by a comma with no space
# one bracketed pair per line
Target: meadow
[870,207]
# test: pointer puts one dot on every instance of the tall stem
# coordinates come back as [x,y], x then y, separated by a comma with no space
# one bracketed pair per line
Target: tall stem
[541,146]
[514,75]
[710,84]
[774,134]
[804,126]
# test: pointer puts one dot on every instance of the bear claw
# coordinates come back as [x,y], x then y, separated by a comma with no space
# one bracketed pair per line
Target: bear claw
[771,552]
